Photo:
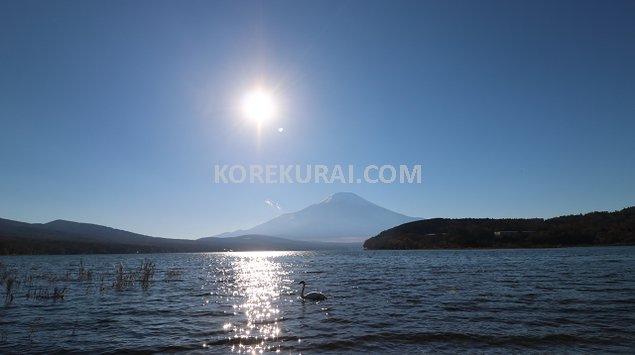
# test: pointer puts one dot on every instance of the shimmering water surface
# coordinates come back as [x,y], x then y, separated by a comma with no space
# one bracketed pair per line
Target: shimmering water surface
[499,301]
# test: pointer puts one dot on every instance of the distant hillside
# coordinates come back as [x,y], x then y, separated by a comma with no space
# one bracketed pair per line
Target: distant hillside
[343,216]
[66,237]
[597,228]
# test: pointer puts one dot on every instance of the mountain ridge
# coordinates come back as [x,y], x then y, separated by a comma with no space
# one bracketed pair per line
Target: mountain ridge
[68,237]
[340,217]
[590,229]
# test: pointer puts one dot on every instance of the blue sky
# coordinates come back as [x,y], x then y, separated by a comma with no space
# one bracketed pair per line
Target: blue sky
[115,112]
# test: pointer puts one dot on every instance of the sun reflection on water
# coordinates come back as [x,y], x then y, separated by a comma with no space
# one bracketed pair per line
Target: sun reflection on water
[253,284]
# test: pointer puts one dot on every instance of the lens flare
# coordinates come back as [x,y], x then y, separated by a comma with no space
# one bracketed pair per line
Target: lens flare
[259,105]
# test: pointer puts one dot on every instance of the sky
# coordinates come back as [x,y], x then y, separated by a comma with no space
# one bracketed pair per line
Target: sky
[116,112]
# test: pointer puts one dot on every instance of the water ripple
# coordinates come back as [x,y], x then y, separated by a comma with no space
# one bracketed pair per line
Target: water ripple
[576,300]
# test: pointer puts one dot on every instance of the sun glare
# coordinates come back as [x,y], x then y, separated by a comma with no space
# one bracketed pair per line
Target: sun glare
[259,105]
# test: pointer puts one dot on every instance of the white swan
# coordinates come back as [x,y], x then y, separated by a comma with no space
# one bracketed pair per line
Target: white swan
[311,296]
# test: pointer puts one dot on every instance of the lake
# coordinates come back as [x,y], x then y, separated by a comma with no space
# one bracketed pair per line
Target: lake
[441,301]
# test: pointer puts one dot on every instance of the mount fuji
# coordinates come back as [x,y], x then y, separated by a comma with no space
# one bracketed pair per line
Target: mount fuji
[341,217]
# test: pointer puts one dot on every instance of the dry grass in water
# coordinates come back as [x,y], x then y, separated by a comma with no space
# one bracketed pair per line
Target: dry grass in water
[47,286]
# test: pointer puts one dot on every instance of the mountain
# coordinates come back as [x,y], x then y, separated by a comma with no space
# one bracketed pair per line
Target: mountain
[66,237]
[591,229]
[341,217]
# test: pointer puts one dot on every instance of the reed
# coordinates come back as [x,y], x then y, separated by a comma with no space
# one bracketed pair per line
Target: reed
[51,286]
[172,275]
[123,278]
[8,279]
[126,278]
[147,272]
[8,298]
[84,274]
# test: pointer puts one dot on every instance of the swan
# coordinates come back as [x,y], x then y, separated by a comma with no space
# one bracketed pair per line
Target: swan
[311,296]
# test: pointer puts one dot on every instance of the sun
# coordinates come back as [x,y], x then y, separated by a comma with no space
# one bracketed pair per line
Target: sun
[259,105]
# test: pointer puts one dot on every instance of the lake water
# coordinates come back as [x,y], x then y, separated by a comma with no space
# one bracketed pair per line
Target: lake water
[485,301]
